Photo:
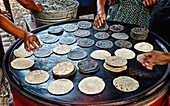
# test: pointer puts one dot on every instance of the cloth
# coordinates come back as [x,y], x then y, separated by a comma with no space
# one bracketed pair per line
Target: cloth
[6,98]
[160,19]
[129,11]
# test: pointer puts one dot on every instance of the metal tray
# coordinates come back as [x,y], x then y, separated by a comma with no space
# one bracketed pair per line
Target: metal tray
[149,80]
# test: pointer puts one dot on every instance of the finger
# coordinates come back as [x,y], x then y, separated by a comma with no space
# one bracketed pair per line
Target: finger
[100,23]
[149,67]
[38,43]
[34,47]
[25,46]
[7,16]
[101,17]
[144,3]
[29,46]
[96,21]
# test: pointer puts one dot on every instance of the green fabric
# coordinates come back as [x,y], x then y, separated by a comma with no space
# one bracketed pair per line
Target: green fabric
[129,11]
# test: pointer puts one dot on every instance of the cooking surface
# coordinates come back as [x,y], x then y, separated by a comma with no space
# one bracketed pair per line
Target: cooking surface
[148,80]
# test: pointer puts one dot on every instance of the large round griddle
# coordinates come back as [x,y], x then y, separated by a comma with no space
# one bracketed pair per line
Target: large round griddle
[149,80]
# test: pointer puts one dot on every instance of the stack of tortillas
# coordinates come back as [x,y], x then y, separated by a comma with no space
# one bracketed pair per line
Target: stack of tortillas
[126,84]
[91,85]
[64,69]
[115,64]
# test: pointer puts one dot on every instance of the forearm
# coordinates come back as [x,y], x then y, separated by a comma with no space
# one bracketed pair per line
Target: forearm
[9,27]
[101,5]
[28,4]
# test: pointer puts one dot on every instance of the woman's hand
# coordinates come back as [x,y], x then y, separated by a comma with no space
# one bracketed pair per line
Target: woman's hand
[6,14]
[40,7]
[155,57]
[31,42]
[99,19]
[149,2]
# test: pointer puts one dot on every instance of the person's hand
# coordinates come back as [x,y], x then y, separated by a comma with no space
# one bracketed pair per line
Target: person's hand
[5,13]
[149,2]
[155,57]
[99,19]
[31,42]
[40,7]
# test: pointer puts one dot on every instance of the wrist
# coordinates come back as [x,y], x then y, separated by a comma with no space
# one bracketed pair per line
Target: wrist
[27,34]
[168,57]
[100,11]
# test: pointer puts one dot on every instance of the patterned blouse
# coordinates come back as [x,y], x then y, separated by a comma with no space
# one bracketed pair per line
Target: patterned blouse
[128,11]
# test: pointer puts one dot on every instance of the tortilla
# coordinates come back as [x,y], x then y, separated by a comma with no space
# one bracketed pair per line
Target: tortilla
[21,52]
[82,33]
[67,40]
[63,69]
[123,44]
[62,49]
[22,63]
[55,30]
[37,77]
[70,27]
[88,65]
[43,52]
[126,84]
[104,44]
[122,36]
[49,38]
[126,53]
[100,54]
[115,69]
[104,27]
[60,86]
[84,24]
[139,57]
[143,47]
[91,85]
[115,61]
[116,28]
[77,54]
[102,35]
[85,42]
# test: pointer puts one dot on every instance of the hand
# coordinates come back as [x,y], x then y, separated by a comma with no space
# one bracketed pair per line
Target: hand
[155,57]
[40,7]
[31,42]
[149,2]
[6,14]
[99,19]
